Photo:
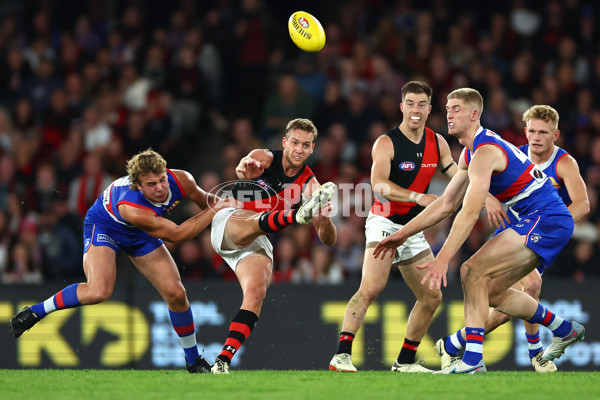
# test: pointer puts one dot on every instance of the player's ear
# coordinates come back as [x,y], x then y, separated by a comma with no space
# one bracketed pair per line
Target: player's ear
[312,148]
[556,135]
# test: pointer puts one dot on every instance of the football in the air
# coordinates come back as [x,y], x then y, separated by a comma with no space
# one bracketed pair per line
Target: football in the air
[306,31]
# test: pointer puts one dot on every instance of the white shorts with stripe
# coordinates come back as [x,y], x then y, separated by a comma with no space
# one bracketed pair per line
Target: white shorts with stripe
[378,228]
[233,257]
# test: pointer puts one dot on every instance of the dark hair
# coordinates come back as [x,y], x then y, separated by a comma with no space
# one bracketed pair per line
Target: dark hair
[417,87]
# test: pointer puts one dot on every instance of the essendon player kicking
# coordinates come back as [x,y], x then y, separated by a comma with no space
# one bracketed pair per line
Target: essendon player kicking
[274,181]
[404,161]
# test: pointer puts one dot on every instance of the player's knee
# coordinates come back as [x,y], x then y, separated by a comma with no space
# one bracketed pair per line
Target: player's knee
[432,299]
[256,293]
[99,294]
[503,318]
[369,294]
[499,318]
[175,294]
[470,274]
[534,286]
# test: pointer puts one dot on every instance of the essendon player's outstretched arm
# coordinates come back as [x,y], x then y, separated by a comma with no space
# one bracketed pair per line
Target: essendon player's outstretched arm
[383,154]
[254,164]
[322,223]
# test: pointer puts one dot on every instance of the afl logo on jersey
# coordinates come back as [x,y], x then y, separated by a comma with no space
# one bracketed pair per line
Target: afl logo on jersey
[263,184]
[407,165]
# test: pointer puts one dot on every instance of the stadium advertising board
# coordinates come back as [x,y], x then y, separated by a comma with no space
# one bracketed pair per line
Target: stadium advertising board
[298,328]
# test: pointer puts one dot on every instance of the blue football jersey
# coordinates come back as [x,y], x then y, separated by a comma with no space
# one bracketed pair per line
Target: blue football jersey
[549,168]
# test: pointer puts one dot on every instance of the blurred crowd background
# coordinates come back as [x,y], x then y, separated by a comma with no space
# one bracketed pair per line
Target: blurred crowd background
[84,85]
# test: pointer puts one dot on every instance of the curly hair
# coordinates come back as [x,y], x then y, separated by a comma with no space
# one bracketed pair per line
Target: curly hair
[143,163]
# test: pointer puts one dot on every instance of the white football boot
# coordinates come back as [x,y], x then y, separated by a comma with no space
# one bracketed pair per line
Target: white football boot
[558,345]
[310,208]
[342,363]
[440,350]
[541,365]
[415,367]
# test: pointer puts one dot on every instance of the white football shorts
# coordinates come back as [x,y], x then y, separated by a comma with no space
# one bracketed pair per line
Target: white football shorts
[233,257]
[378,228]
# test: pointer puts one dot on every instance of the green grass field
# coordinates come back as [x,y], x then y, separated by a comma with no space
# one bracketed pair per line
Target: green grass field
[288,385]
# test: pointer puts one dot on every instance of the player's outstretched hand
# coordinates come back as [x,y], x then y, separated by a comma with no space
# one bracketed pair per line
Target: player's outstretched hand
[251,168]
[436,273]
[228,202]
[389,244]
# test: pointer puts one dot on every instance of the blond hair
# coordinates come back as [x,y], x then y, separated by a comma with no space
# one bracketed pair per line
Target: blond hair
[543,112]
[143,163]
[470,96]
[302,124]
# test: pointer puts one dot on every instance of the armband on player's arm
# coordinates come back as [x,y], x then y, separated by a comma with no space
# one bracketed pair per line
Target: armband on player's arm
[447,167]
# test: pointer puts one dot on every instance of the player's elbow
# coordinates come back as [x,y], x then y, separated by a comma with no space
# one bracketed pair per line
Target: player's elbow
[585,208]
[380,188]
[448,206]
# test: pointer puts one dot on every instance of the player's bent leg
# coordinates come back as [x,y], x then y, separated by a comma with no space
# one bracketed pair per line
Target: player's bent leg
[427,300]
[420,315]
[533,286]
[495,319]
[241,229]
[99,287]
[254,273]
[375,274]
[487,278]
[489,275]
[160,269]
[100,267]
